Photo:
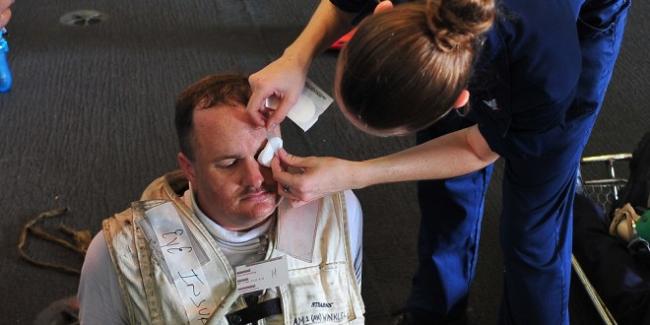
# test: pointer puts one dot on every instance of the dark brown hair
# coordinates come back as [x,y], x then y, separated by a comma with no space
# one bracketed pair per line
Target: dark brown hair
[208,92]
[404,68]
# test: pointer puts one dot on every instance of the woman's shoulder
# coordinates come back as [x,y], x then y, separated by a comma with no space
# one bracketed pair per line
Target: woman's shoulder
[542,48]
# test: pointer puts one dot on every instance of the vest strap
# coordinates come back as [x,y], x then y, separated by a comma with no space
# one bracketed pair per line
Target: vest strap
[255,312]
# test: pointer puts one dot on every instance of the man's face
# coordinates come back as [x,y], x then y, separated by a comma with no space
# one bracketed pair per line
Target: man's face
[231,187]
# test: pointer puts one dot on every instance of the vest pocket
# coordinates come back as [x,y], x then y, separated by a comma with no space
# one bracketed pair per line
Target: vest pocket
[319,295]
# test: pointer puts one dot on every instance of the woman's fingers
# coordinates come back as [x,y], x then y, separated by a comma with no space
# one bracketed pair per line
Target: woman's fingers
[293,176]
[255,105]
[310,178]
[285,191]
[383,7]
[290,160]
[277,116]
[283,79]
[287,182]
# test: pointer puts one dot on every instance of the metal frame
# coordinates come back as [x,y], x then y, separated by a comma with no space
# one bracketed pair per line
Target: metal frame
[615,184]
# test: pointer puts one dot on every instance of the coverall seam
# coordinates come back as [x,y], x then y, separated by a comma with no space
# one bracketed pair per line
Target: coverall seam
[562,271]
[612,25]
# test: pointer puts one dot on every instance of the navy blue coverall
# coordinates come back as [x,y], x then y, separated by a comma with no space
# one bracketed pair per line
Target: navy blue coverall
[536,92]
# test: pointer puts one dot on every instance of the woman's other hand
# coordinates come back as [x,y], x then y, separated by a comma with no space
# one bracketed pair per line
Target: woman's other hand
[304,179]
[383,6]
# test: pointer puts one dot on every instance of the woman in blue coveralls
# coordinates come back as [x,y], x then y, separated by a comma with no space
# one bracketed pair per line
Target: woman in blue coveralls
[536,70]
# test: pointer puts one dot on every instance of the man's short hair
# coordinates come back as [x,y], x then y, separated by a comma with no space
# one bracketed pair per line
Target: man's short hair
[225,89]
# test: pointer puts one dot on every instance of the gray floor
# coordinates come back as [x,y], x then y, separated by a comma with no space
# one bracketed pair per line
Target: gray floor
[89,124]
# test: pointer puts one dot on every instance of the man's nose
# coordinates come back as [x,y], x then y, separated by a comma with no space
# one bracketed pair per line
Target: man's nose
[252,174]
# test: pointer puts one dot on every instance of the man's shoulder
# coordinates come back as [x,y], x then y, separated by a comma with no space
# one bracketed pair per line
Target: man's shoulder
[118,220]
[170,185]
[118,228]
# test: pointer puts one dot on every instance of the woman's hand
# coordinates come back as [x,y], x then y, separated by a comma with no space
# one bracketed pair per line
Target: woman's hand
[310,178]
[5,12]
[383,6]
[283,79]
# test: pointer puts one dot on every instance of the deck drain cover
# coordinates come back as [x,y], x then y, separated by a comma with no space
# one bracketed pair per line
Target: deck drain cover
[82,18]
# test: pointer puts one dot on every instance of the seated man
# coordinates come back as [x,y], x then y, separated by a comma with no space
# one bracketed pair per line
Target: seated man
[621,279]
[171,257]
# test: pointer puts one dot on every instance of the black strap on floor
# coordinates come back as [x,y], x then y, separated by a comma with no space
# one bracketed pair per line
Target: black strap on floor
[255,312]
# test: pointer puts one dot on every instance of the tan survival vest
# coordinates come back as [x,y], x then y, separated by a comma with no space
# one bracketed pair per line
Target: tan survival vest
[322,292]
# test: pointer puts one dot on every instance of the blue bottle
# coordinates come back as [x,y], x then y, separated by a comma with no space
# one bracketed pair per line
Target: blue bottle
[5,73]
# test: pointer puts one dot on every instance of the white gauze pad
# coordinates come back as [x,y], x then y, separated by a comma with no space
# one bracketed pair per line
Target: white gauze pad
[303,111]
[310,105]
[266,155]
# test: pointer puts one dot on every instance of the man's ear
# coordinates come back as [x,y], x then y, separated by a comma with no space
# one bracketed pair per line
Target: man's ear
[186,166]
[462,99]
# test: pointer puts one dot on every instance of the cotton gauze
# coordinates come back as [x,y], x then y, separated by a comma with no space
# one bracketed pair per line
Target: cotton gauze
[303,111]
[266,155]
[311,103]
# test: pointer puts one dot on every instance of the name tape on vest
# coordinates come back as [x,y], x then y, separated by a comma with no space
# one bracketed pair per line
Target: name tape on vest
[179,255]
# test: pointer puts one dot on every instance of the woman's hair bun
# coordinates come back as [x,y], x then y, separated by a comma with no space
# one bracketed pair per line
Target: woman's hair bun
[458,23]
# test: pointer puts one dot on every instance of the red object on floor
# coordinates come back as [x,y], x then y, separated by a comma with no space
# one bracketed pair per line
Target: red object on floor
[343,40]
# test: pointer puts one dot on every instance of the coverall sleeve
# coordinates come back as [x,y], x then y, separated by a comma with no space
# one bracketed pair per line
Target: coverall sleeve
[355,229]
[99,296]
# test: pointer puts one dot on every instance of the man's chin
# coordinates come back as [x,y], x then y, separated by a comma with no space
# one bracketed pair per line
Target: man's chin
[262,210]
[259,207]
[256,216]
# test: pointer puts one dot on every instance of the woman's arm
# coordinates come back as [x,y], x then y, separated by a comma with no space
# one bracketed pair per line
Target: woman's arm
[454,154]
[285,77]
[451,155]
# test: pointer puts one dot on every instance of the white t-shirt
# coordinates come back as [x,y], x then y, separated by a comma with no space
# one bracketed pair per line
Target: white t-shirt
[100,299]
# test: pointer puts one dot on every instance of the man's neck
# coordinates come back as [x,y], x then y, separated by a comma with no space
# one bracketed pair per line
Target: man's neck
[222,233]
